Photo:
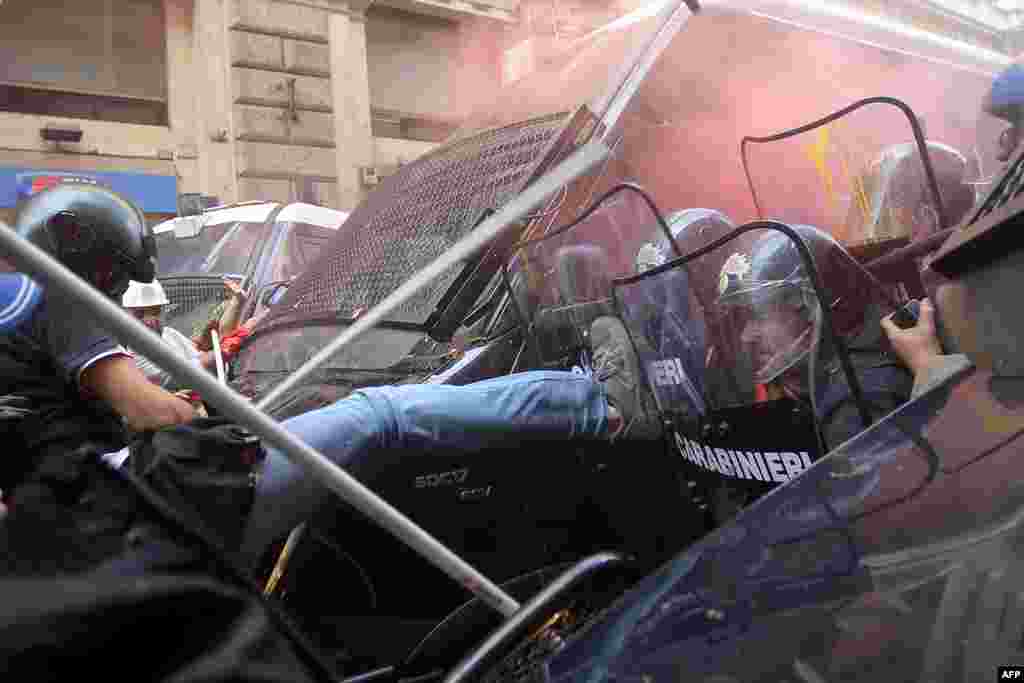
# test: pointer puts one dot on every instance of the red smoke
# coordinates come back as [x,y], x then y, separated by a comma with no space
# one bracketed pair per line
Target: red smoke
[724,76]
[491,52]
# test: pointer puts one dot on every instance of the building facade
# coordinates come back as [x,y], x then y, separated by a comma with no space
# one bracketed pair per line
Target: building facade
[295,100]
[288,100]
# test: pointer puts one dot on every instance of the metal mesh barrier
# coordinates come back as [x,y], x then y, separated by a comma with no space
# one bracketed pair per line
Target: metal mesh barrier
[414,217]
[192,299]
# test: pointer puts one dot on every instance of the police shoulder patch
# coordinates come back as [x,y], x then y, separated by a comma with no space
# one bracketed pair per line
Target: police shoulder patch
[649,256]
[736,267]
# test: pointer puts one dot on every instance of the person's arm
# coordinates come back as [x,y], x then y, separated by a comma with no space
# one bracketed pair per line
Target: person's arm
[90,360]
[918,347]
[142,404]
[232,310]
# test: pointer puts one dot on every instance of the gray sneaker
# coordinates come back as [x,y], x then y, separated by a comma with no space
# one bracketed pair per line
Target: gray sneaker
[616,366]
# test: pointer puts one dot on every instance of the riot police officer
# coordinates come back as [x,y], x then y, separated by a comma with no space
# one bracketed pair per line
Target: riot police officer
[668,306]
[898,197]
[780,323]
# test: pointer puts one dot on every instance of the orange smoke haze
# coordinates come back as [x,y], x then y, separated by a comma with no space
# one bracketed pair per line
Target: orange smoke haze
[726,75]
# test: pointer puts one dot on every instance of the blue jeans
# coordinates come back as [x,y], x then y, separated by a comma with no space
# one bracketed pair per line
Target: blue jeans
[390,422]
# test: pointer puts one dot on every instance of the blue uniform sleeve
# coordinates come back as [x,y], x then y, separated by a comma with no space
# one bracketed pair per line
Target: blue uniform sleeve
[73,337]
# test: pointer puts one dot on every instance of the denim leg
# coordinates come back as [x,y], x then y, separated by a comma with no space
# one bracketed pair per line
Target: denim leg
[389,422]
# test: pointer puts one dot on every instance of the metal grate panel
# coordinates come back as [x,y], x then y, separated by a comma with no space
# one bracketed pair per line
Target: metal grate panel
[192,298]
[414,217]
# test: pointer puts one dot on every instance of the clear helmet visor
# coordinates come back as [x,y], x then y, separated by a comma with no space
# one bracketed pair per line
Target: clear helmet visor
[648,256]
[899,197]
[774,322]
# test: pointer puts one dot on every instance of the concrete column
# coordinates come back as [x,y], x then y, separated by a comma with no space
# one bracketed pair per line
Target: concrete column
[182,100]
[350,90]
[212,89]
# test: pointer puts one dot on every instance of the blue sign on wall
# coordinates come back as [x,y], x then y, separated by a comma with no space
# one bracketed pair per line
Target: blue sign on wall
[152,193]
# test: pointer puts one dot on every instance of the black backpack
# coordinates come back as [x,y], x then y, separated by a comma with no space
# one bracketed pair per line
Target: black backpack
[205,469]
[87,555]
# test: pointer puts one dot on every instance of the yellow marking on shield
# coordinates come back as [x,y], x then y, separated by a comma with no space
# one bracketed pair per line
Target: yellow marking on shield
[818,153]
[860,195]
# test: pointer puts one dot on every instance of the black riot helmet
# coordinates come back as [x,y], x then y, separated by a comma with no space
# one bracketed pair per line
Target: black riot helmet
[687,227]
[691,229]
[95,232]
[897,199]
[773,283]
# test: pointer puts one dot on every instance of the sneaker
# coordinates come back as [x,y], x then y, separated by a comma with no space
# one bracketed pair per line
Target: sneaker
[616,366]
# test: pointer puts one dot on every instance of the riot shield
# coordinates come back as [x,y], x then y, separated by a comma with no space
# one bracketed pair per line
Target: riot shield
[756,377]
[566,273]
[991,137]
[867,174]
[896,558]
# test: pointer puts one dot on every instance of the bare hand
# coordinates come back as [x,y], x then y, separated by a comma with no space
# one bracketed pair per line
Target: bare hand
[917,346]
[197,404]
[162,413]
[234,288]
[143,405]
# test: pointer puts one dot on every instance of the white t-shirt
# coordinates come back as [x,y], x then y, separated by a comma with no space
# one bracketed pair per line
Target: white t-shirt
[182,344]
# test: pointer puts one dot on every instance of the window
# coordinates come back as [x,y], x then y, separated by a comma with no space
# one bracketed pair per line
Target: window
[404,48]
[104,59]
[301,247]
[237,250]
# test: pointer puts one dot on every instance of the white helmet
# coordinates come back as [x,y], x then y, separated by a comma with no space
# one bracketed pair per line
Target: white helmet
[144,295]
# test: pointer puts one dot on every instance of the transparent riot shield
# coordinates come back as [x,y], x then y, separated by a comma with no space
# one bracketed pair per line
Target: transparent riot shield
[869,174]
[986,157]
[829,578]
[767,357]
[896,558]
[566,271]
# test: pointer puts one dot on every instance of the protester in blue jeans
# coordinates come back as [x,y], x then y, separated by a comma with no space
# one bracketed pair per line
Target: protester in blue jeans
[388,422]
[384,422]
